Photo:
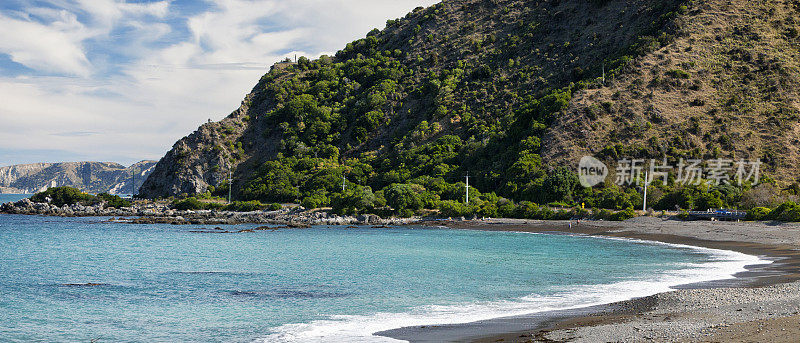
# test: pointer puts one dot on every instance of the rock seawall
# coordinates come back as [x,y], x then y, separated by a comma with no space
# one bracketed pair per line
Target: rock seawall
[151,213]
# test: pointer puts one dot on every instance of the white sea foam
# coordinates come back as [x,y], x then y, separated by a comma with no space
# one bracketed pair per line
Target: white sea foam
[361,328]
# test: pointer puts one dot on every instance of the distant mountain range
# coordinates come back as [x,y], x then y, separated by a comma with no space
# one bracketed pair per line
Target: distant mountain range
[93,177]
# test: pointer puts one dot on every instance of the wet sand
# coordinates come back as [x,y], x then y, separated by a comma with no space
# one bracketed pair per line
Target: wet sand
[761,305]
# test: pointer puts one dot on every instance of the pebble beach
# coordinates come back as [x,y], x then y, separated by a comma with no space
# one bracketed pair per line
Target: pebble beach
[759,306]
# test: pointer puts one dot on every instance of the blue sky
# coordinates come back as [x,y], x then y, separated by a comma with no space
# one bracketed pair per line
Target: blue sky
[121,81]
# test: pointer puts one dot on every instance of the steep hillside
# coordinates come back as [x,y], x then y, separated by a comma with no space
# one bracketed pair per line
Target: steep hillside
[460,68]
[514,93]
[95,177]
[726,87]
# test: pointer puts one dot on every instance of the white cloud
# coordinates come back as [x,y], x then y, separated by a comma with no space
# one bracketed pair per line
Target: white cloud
[56,43]
[52,48]
[161,91]
[107,13]
[157,9]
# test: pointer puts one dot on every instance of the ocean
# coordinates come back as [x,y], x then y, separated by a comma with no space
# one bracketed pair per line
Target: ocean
[81,279]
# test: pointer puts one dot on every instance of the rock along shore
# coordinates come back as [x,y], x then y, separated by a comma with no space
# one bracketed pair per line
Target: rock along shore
[157,213]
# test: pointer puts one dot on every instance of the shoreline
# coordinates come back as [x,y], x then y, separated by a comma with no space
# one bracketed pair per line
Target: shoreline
[633,320]
[162,213]
[786,256]
[764,300]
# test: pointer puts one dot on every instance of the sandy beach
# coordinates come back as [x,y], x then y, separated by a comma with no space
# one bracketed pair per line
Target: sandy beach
[761,305]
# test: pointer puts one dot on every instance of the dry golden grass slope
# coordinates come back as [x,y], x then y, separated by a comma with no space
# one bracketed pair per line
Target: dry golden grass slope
[726,86]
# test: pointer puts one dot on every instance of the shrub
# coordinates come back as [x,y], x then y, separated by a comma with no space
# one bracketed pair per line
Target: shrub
[188,204]
[404,197]
[61,196]
[758,213]
[678,74]
[244,206]
[275,181]
[356,200]
[697,102]
[709,200]
[527,210]
[113,200]
[315,200]
[763,195]
[451,208]
[603,214]
[613,198]
[786,212]
[623,215]
[505,208]
[560,184]
[488,209]
[406,213]
[214,206]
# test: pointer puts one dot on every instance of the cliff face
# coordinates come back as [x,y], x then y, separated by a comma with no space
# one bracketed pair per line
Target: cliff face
[94,177]
[508,90]
[194,163]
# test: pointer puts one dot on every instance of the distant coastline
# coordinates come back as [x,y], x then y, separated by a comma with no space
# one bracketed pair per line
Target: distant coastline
[95,177]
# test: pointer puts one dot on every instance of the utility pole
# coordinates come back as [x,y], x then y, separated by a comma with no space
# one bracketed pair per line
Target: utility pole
[133,181]
[646,182]
[467,187]
[230,185]
[344,179]
[604,73]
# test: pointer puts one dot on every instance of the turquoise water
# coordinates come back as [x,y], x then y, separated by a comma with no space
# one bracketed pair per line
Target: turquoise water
[13,197]
[162,283]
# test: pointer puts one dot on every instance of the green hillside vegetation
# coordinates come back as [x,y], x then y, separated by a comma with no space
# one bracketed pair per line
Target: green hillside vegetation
[487,87]
[61,196]
[205,203]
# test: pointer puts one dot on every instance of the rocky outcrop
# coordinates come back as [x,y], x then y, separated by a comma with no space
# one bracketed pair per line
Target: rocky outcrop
[195,162]
[93,177]
[152,213]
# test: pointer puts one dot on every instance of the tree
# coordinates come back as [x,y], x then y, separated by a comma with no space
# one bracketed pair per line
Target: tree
[276,182]
[113,200]
[356,199]
[758,213]
[404,197]
[316,200]
[61,196]
[786,212]
[559,185]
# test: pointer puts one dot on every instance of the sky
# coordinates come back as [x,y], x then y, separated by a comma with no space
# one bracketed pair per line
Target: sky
[122,81]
